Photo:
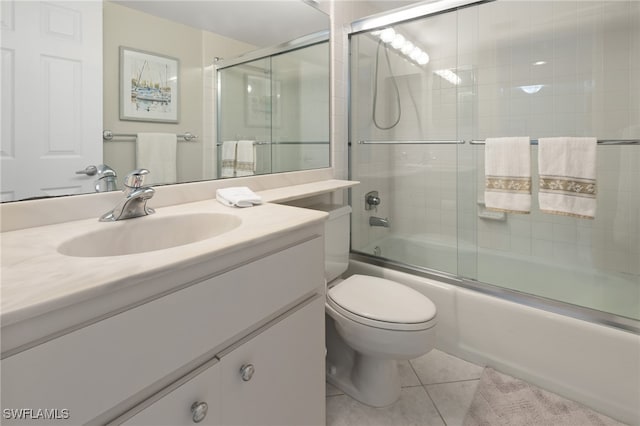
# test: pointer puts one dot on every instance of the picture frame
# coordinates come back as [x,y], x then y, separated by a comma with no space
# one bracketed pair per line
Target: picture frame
[149,86]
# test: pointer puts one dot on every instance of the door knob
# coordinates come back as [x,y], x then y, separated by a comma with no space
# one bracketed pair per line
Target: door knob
[246,372]
[89,171]
[199,411]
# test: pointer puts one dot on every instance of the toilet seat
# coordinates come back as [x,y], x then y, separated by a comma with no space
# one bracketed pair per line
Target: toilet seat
[382,303]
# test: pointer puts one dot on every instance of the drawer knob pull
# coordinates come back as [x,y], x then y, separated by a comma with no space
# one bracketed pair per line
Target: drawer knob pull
[246,372]
[199,411]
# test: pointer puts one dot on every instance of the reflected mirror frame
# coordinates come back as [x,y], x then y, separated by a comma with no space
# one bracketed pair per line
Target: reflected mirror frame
[316,9]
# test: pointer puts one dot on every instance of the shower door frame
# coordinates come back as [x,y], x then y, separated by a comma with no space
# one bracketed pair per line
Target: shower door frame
[411,13]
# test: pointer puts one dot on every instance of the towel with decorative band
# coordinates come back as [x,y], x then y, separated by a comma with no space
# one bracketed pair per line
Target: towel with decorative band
[567,170]
[507,165]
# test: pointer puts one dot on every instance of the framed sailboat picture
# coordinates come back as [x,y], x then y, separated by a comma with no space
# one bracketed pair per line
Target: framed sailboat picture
[149,86]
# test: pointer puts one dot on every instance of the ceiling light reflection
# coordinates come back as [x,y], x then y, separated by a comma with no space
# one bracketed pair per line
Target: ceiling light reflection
[530,90]
[450,76]
[387,35]
[407,47]
[400,42]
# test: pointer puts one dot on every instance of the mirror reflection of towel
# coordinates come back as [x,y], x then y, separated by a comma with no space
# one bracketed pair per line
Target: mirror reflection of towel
[246,158]
[157,153]
[228,159]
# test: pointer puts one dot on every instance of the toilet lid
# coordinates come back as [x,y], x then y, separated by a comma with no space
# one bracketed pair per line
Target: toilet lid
[383,300]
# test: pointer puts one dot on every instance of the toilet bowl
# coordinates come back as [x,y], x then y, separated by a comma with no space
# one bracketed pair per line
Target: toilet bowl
[371,322]
[374,323]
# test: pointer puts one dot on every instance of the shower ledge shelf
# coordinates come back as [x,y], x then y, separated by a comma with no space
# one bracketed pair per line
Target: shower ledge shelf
[296,192]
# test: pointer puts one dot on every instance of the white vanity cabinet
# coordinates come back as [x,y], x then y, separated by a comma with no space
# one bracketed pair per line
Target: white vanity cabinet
[269,378]
[143,364]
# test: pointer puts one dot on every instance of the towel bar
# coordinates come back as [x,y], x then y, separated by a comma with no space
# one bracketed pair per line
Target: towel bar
[255,143]
[600,142]
[414,142]
[285,143]
[108,135]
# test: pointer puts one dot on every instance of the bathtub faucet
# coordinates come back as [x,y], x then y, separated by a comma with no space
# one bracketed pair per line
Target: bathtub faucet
[378,221]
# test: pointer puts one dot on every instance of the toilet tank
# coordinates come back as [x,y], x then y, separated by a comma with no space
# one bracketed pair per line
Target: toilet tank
[336,239]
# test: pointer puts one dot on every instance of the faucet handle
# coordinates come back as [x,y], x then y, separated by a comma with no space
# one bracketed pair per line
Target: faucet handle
[135,179]
[105,171]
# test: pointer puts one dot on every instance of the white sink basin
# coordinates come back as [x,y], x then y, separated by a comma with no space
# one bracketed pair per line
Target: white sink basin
[148,233]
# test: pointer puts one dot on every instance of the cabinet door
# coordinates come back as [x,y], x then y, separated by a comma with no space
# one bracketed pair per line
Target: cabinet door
[287,386]
[182,403]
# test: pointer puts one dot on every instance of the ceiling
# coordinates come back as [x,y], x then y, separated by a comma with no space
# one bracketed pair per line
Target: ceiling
[260,23]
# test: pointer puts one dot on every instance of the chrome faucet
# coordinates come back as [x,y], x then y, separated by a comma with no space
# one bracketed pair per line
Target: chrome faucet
[135,199]
[106,179]
[378,221]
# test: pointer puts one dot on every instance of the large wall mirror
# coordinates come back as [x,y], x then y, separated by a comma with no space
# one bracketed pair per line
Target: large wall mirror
[82,80]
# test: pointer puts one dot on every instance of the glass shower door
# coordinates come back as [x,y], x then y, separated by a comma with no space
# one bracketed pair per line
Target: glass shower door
[501,69]
[404,91]
[551,69]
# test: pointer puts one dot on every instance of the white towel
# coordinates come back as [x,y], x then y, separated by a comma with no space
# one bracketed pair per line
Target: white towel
[507,167]
[228,159]
[246,158]
[239,196]
[567,169]
[157,153]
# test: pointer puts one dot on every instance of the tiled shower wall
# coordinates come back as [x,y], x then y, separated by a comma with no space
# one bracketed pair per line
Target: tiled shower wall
[580,63]
[589,85]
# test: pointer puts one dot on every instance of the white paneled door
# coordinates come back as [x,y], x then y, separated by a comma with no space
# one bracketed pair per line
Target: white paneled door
[51,97]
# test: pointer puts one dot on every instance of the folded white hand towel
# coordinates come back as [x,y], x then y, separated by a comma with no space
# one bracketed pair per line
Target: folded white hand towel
[507,167]
[228,159]
[239,196]
[246,158]
[567,169]
[157,153]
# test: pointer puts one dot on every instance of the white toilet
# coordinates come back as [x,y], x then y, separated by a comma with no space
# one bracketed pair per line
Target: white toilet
[371,322]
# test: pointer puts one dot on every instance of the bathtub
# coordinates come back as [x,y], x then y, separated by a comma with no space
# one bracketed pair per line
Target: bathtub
[604,291]
[591,363]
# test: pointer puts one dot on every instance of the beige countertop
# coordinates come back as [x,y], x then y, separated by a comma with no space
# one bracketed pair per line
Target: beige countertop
[38,280]
[45,293]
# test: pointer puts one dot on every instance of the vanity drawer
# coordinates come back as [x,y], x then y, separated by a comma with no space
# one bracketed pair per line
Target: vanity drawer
[93,369]
[237,398]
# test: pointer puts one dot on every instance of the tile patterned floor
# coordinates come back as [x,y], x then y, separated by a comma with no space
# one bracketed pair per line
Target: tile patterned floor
[437,390]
